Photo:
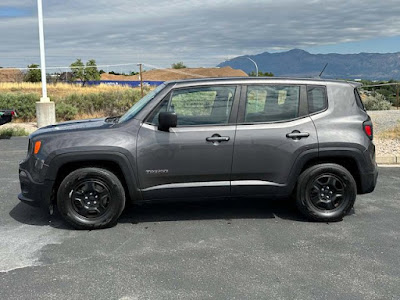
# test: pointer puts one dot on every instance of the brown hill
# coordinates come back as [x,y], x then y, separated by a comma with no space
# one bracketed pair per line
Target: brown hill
[176,74]
[13,75]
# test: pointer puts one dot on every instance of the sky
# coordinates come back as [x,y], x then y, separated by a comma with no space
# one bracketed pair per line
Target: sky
[201,33]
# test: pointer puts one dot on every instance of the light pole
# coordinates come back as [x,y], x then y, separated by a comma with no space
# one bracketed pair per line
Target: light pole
[255,64]
[45,109]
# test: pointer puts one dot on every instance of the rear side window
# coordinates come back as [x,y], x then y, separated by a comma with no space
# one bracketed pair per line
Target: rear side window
[317,100]
[272,103]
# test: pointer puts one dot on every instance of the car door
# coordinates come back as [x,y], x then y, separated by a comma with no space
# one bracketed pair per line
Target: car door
[195,158]
[273,130]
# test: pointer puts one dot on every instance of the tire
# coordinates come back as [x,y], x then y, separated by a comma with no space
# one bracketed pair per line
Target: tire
[326,192]
[91,198]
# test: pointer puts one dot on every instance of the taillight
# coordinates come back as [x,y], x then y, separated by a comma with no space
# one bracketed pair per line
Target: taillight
[368,129]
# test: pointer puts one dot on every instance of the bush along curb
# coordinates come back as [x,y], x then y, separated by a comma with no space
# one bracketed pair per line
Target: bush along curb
[388,160]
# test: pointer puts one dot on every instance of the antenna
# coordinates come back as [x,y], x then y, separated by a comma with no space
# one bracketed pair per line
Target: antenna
[323,70]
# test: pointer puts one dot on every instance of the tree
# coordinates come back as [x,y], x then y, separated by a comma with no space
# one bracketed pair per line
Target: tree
[178,65]
[91,71]
[33,74]
[261,74]
[85,73]
[78,70]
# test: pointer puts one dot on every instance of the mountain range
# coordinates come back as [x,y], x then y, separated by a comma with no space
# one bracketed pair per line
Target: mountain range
[300,63]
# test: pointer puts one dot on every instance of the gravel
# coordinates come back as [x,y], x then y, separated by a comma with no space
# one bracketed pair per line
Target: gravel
[386,147]
[384,119]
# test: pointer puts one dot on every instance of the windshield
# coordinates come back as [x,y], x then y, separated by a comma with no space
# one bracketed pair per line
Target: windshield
[135,109]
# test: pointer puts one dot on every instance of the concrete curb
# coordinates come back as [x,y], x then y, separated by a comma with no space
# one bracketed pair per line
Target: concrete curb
[388,160]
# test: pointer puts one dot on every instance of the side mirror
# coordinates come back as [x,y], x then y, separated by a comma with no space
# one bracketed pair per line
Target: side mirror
[166,120]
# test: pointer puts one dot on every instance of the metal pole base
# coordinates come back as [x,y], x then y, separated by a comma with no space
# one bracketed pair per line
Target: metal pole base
[45,113]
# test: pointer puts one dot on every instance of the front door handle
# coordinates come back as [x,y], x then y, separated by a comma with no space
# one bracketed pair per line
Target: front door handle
[296,135]
[218,139]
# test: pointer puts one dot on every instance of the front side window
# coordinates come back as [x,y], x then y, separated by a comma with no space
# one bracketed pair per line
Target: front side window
[135,109]
[316,96]
[198,106]
[272,103]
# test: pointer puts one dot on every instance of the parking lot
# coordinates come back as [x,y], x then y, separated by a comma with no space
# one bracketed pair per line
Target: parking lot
[247,249]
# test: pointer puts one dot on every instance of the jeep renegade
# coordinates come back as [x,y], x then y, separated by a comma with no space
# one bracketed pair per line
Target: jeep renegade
[209,138]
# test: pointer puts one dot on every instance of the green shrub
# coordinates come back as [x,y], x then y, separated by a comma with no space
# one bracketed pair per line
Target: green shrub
[377,101]
[6,133]
[110,103]
[65,111]
[24,104]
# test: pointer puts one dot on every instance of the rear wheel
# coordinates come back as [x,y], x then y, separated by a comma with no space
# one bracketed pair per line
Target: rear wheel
[326,192]
[91,198]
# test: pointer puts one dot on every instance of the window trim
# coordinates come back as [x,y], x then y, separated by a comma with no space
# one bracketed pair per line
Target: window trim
[234,108]
[359,101]
[326,98]
[302,109]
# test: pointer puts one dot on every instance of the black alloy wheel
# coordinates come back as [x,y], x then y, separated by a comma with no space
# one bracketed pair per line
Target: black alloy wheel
[91,198]
[326,192]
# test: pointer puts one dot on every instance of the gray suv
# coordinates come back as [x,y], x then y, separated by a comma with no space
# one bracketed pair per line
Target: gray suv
[209,138]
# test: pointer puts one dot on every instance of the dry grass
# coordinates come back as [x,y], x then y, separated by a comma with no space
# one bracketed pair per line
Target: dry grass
[94,115]
[58,90]
[392,133]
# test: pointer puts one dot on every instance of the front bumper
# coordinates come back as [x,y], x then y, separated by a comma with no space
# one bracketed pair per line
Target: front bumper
[33,193]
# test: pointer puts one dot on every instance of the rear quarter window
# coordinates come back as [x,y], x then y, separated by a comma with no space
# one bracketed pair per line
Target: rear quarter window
[317,99]
[358,99]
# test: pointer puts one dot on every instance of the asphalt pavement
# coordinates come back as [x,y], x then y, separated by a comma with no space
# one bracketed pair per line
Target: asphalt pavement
[249,249]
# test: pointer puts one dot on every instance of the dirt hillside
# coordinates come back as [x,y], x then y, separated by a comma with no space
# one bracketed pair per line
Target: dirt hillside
[11,75]
[174,74]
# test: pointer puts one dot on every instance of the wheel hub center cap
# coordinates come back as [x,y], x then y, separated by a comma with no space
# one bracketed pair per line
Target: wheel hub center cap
[327,192]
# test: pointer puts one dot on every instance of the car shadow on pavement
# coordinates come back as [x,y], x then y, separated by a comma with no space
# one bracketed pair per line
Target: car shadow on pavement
[176,211]
[29,215]
[212,210]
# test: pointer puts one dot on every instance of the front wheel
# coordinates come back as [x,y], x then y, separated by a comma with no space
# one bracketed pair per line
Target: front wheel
[326,192]
[91,198]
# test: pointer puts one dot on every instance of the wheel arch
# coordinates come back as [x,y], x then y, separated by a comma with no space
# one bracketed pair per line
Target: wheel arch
[350,159]
[349,163]
[116,162]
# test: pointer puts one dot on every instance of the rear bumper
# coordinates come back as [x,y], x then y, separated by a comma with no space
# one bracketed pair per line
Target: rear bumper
[33,193]
[368,182]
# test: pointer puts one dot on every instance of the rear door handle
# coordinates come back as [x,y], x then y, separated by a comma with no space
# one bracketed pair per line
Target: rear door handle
[296,135]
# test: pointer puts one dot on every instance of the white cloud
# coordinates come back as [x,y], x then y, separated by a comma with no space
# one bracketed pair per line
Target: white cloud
[200,33]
